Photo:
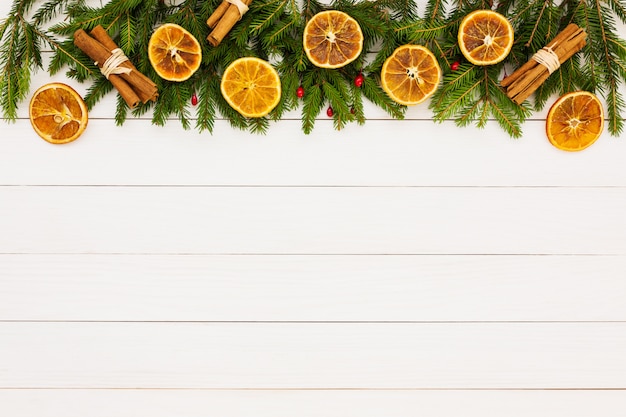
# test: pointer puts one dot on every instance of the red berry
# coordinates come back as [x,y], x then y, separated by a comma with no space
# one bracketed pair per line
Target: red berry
[300,92]
[329,111]
[358,80]
[194,99]
[455,66]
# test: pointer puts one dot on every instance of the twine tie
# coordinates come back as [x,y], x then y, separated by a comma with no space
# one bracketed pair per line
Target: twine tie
[113,64]
[241,6]
[548,58]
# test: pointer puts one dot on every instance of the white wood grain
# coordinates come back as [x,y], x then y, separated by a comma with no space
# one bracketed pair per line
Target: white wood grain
[313,355]
[312,288]
[168,403]
[201,220]
[416,153]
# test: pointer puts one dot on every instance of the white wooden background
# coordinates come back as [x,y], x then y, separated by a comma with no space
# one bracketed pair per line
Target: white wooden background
[402,268]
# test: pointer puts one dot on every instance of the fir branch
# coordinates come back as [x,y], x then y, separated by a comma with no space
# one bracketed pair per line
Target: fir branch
[235,119]
[67,54]
[19,56]
[508,115]
[100,88]
[273,29]
[121,111]
[386,49]
[356,107]
[120,7]
[601,56]
[397,9]
[266,14]
[615,102]
[335,93]
[373,92]
[209,87]
[85,18]
[290,81]
[540,27]
[188,16]
[258,125]
[278,33]
[471,94]
[150,16]
[313,103]
[619,8]
[173,100]
[436,9]
[422,30]
[128,34]
[457,91]
[50,10]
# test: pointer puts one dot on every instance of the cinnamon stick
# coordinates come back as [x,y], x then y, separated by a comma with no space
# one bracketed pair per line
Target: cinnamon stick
[122,87]
[519,93]
[530,76]
[558,39]
[99,53]
[101,35]
[128,94]
[217,14]
[226,23]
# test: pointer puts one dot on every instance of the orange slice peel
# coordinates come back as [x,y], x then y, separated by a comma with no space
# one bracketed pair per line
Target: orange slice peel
[575,121]
[251,86]
[174,53]
[332,39]
[485,37]
[58,113]
[410,75]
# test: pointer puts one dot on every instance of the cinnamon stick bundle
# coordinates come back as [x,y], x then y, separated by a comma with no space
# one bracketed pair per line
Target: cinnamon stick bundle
[101,35]
[224,18]
[530,76]
[133,86]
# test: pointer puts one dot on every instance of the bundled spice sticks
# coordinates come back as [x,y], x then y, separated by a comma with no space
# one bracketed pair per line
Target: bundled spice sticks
[529,77]
[224,18]
[133,86]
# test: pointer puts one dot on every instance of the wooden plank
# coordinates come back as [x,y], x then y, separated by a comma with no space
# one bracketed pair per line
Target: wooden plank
[167,403]
[312,288]
[261,220]
[418,153]
[314,355]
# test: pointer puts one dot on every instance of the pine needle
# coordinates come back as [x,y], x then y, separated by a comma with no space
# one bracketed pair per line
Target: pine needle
[273,30]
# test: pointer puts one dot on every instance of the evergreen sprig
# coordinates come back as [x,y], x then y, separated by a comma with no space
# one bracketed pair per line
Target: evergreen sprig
[273,30]
[20,56]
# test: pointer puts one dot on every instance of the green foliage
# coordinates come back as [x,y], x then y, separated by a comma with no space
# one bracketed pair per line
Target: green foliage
[273,30]
[20,55]
[603,56]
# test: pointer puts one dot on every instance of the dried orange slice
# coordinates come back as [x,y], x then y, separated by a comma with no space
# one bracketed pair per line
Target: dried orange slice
[410,75]
[485,37]
[332,39]
[58,113]
[251,86]
[575,121]
[174,53]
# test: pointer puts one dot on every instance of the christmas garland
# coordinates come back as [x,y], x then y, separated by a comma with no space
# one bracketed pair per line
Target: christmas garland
[273,30]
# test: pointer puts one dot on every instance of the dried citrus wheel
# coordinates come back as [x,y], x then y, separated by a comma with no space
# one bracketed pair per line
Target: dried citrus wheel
[485,37]
[410,75]
[332,39]
[251,86]
[174,53]
[575,121]
[58,113]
